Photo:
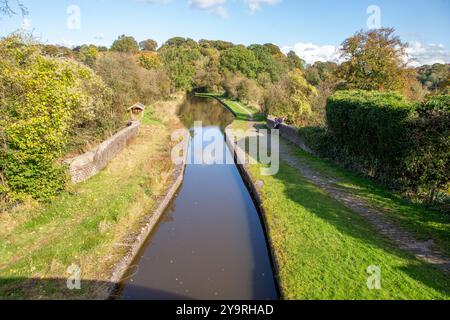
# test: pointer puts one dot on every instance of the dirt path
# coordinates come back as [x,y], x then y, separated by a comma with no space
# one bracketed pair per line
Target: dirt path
[422,250]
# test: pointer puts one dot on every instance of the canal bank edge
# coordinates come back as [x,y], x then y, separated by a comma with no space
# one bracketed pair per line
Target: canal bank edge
[121,268]
[251,185]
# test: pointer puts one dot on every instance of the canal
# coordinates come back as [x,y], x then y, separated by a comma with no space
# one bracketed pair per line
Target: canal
[210,243]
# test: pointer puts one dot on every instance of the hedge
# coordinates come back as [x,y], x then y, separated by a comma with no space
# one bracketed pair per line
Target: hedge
[404,145]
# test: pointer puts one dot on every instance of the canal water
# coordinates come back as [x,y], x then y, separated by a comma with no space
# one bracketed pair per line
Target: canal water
[210,243]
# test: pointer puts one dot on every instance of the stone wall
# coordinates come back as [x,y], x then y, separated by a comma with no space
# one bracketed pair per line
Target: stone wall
[290,133]
[89,164]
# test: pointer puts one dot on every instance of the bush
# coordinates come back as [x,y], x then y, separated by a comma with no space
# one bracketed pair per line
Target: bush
[44,101]
[428,164]
[403,145]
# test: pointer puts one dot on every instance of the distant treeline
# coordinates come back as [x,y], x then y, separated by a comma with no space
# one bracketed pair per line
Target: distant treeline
[58,101]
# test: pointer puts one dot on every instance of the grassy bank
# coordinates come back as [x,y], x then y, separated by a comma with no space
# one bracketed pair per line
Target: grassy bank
[92,224]
[324,249]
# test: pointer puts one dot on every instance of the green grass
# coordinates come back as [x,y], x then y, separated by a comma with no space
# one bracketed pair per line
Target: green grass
[324,249]
[149,117]
[424,223]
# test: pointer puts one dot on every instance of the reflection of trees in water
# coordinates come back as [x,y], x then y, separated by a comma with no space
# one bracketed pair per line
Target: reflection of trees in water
[207,110]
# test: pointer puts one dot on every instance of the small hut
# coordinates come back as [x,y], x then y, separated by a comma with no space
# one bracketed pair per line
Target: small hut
[136,111]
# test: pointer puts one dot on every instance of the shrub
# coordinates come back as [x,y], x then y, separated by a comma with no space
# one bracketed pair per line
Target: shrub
[43,101]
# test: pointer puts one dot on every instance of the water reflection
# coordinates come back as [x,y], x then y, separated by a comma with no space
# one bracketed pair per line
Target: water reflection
[213,245]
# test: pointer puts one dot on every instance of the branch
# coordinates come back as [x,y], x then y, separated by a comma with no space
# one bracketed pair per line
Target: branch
[7,10]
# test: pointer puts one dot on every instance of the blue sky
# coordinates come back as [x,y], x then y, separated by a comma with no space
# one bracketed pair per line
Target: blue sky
[314,28]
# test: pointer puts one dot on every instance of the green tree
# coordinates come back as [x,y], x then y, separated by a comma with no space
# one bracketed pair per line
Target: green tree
[208,77]
[374,61]
[435,77]
[125,44]
[178,42]
[216,44]
[148,45]
[294,61]
[240,59]
[180,63]
[267,62]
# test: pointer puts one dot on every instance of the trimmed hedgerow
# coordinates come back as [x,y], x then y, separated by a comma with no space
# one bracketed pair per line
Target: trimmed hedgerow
[404,145]
[428,162]
[372,126]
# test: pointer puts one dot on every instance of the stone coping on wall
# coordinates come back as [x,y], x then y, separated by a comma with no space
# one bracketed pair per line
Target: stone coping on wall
[254,189]
[87,165]
[290,133]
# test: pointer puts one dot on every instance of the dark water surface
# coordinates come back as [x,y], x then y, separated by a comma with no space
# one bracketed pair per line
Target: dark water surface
[210,244]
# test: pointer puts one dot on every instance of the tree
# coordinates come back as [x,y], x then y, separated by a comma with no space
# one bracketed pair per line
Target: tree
[267,63]
[216,44]
[150,60]
[435,77]
[180,63]
[125,44]
[290,98]
[240,59]
[208,77]
[294,61]
[148,45]
[374,61]
[178,42]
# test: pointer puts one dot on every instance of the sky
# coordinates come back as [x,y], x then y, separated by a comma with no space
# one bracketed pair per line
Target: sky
[313,28]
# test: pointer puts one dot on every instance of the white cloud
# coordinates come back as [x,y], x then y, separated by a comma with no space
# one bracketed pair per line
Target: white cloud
[217,7]
[205,4]
[26,24]
[213,6]
[255,5]
[154,1]
[312,53]
[420,54]
[99,36]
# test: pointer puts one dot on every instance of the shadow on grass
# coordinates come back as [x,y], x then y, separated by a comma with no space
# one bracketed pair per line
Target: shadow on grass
[56,289]
[423,222]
